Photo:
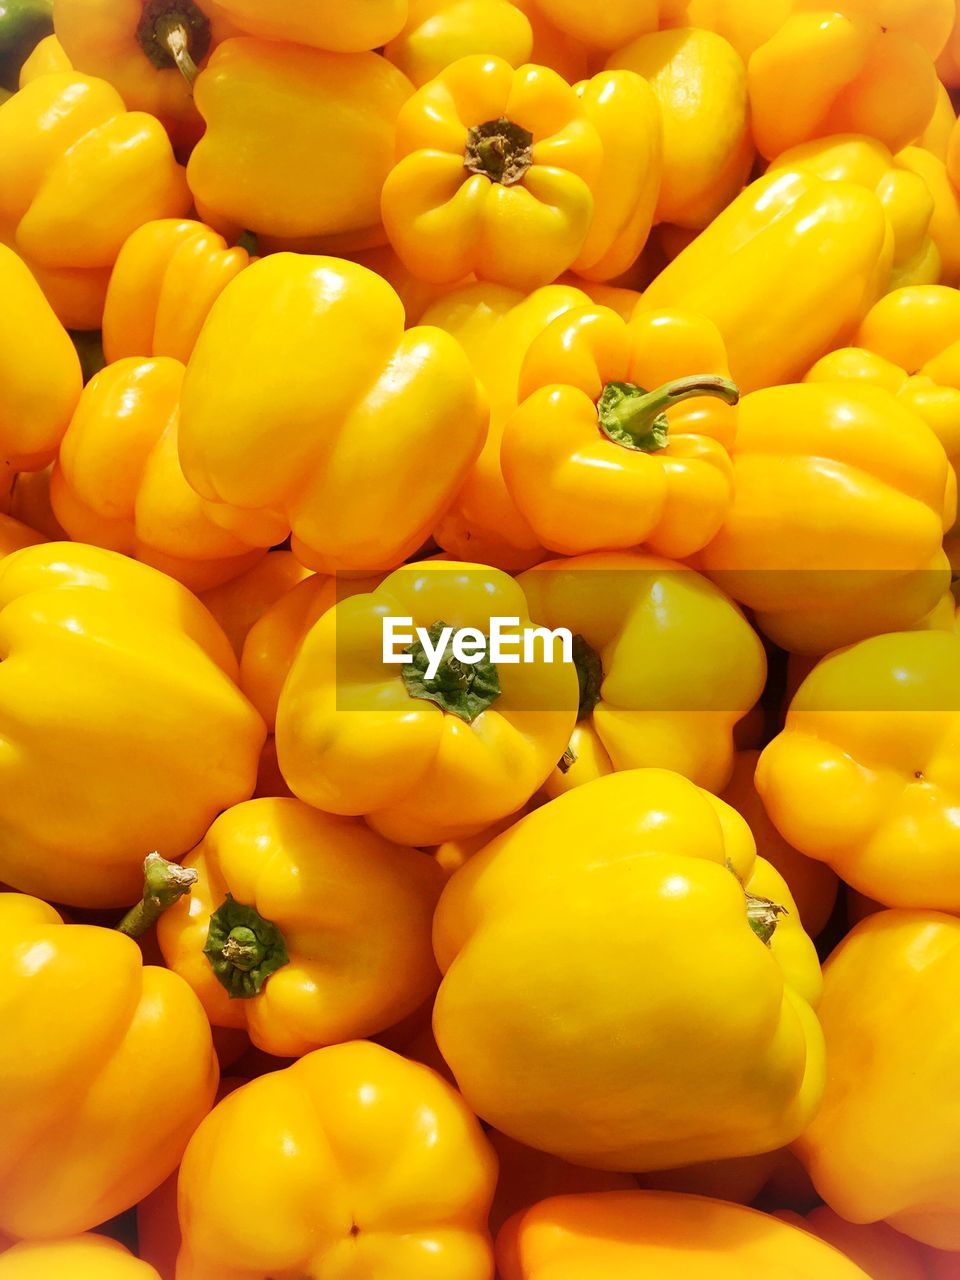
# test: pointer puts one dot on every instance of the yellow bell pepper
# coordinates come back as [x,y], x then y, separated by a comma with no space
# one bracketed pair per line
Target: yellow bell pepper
[425,757]
[97,1115]
[885,1143]
[638,872]
[149,50]
[785,272]
[909,343]
[26,497]
[604,26]
[304,395]
[746,24]
[632,1233]
[841,498]
[366,1164]
[622,433]
[326,24]
[298,140]
[495,326]
[701,84]
[945,221]
[438,32]
[239,604]
[78,174]
[40,378]
[904,194]
[124,728]
[303,929]
[554,48]
[514,176]
[166,278]
[813,884]
[884,1254]
[675,712]
[88,1257]
[824,72]
[860,775]
[936,137]
[118,484]
[47,57]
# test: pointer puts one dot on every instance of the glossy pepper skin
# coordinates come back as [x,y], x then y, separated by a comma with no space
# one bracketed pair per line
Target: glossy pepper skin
[40,378]
[495,326]
[633,1233]
[861,776]
[325,24]
[537,930]
[96,1117]
[785,272]
[22,24]
[87,1257]
[884,1144]
[505,173]
[424,760]
[825,72]
[304,395]
[238,605]
[438,32]
[281,120]
[909,343]
[602,27]
[676,711]
[78,174]
[47,56]
[166,278]
[700,82]
[353,915]
[125,731]
[389,1174]
[622,433]
[118,484]
[905,197]
[842,495]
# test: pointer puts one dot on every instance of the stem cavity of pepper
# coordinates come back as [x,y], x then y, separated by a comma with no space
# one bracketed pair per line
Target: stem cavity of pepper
[500,150]
[637,419]
[763,916]
[460,688]
[243,948]
[164,883]
[175,33]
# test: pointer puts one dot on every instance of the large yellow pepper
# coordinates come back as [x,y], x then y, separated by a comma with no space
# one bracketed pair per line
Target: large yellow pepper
[40,378]
[118,484]
[363,1163]
[905,197]
[622,433]
[514,176]
[909,343]
[861,776]
[438,32]
[885,1143]
[166,278]
[635,873]
[701,84]
[495,326]
[124,729]
[629,1234]
[327,24]
[424,757]
[98,1114]
[304,929]
[298,140]
[78,174]
[239,605]
[88,1257]
[304,396]
[825,72]
[841,498]
[674,711]
[785,272]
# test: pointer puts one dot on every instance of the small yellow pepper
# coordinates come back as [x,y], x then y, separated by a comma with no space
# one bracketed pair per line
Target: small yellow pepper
[40,378]
[166,278]
[638,872]
[366,1164]
[78,174]
[785,272]
[424,757]
[88,1257]
[622,433]
[304,395]
[885,1143]
[438,32]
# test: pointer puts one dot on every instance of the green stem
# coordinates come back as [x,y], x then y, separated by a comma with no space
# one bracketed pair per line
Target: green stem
[637,419]
[589,676]
[463,689]
[762,916]
[243,948]
[164,883]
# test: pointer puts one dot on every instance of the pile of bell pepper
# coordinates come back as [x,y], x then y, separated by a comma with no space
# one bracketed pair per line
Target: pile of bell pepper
[636,324]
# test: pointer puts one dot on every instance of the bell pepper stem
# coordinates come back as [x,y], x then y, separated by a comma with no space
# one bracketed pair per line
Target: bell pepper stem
[243,948]
[164,883]
[637,419]
[175,38]
[174,33]
[763,916]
